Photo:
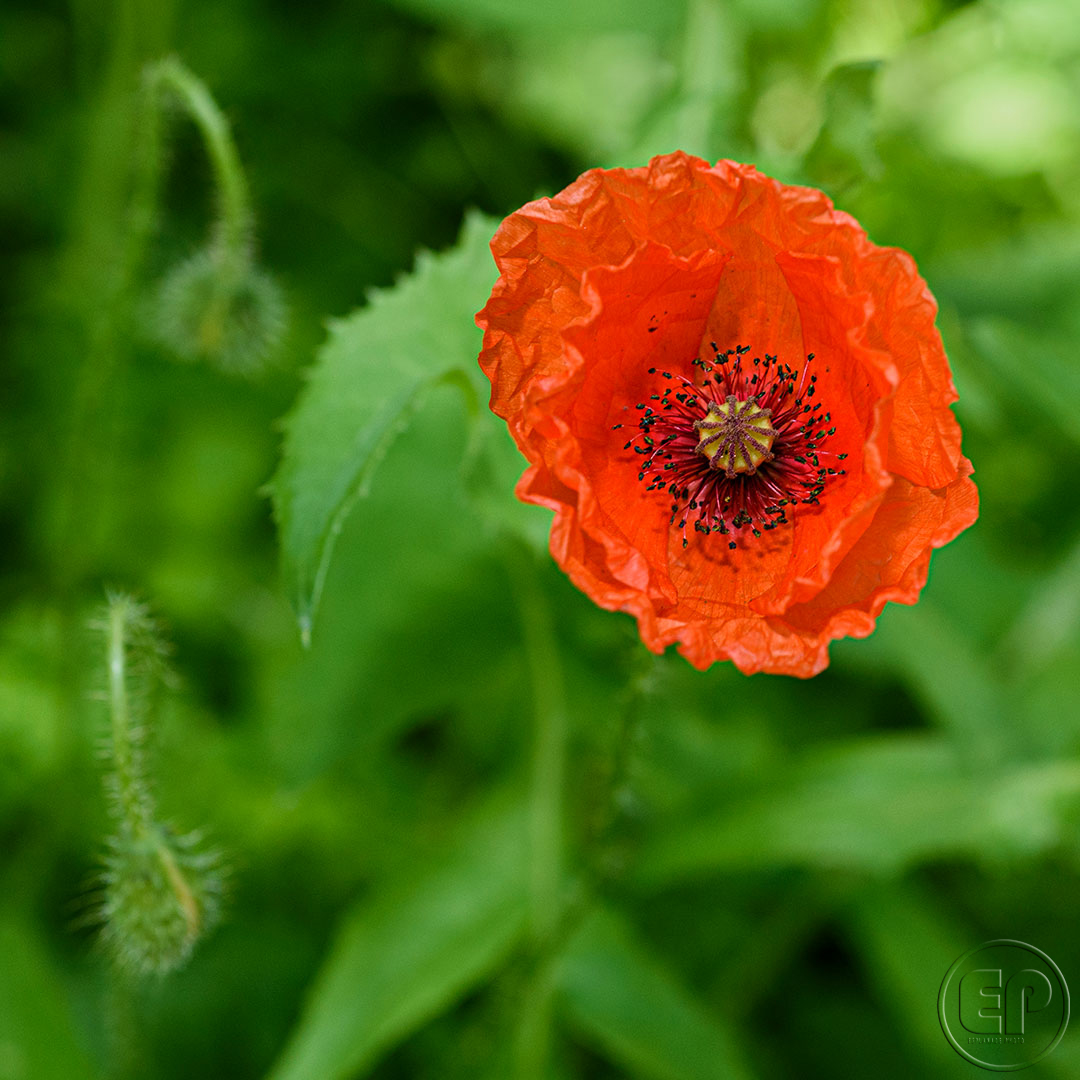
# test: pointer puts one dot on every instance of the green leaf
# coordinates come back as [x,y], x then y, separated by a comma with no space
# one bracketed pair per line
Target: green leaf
[845,151]
[589,92]
[876,805]
[555,17]
[1038,367]
[37,1036]
[369,379]
[697,116]
[436,605]
[403,956]
[493,466]
[624,1000]
[906,947]
[1023,276]
[949,673]
[1049,619]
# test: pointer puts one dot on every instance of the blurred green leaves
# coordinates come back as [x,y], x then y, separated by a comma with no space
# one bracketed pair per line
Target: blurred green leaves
[793,860]
[621,997]
[876,806]
[1036,365]
[905,948]
[38,1035]
[845,150]
[404,955]
[553,17]
[411,951]
[988,88]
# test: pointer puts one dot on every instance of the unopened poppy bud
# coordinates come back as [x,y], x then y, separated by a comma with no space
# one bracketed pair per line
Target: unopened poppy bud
[158,901]
[160,891]
[232,317]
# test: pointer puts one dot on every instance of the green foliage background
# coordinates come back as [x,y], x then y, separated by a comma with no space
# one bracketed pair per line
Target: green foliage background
[714,876]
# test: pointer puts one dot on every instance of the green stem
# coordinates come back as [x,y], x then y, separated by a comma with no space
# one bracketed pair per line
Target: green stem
[620,763]
[234,221]
[532,1037]
[234,225]
[146,182]
[133,802]
[99,271]
[109,309]
[123,1033]
[546,828]
[548,758]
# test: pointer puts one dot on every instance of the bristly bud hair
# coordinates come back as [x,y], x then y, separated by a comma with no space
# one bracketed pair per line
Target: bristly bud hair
[159,891]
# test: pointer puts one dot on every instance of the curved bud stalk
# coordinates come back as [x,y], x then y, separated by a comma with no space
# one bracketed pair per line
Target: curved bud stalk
[218,305]
[161,891]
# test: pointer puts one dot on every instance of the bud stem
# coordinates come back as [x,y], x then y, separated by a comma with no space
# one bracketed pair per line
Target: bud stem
[132,798]
[160,891]
[234,226]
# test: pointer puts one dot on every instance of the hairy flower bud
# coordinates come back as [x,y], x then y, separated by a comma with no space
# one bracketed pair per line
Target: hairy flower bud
[207,310]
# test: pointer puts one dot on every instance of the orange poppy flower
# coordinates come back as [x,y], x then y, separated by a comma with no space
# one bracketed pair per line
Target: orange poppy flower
[735,403]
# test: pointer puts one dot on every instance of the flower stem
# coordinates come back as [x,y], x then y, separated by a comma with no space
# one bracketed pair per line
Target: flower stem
[617,794]
[548,759]
[532,1043]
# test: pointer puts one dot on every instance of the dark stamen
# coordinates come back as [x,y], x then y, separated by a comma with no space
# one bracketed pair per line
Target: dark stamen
[734,451]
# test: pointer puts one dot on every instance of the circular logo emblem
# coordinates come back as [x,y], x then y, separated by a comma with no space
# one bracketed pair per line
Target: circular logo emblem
[1004,1005]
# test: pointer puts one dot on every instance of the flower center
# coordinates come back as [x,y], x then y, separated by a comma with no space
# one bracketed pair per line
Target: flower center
[739,448]
[736,436]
